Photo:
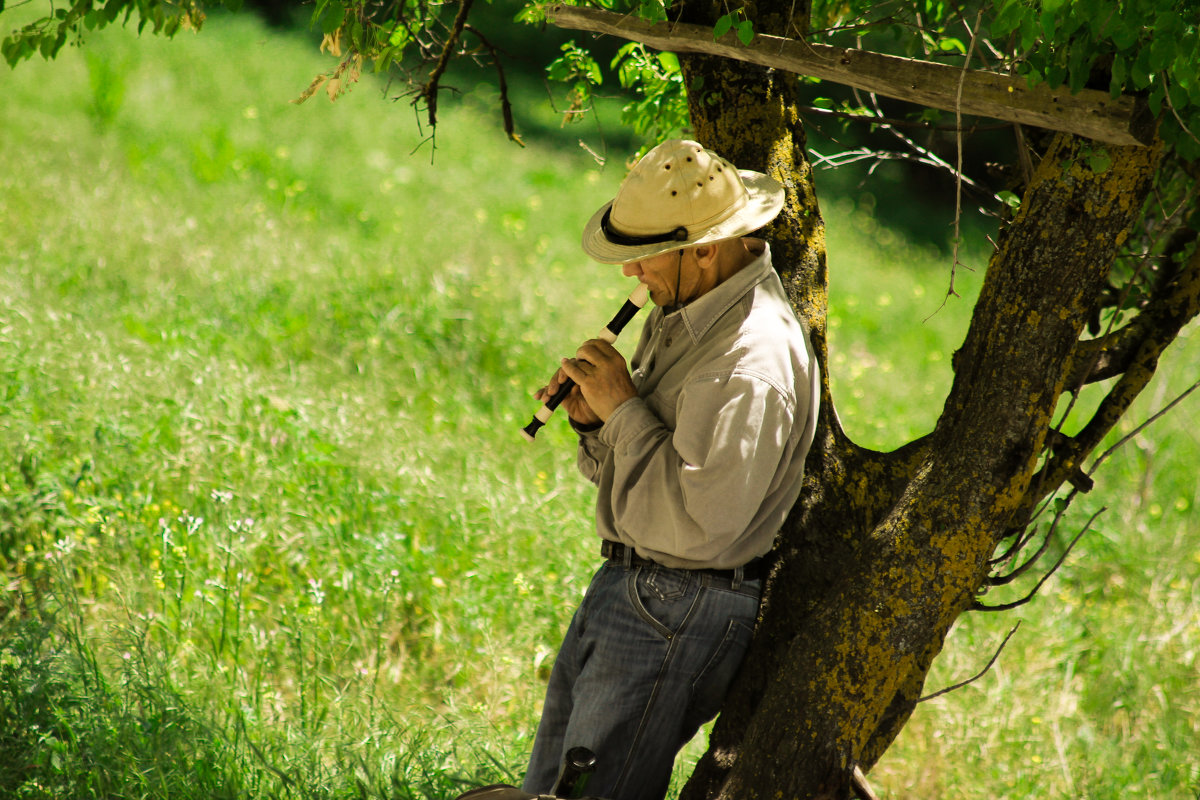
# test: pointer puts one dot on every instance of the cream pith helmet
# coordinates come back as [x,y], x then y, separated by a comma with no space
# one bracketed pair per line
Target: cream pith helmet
[680,195]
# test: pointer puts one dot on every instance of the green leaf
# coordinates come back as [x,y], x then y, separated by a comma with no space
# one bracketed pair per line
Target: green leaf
[745,31]
[951,44]
[652,11]
[1119,74]
[1029,31]
[1141,72]
[724,23]
[1125,37]
[1178,95]
[1055,74]
[1010,199]
[1079,66]
[1009,17]
[334,16]
[1099,160]
[1155,101]
[1049,21]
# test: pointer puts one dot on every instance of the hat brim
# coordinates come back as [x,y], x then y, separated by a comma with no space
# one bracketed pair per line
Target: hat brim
[764,201]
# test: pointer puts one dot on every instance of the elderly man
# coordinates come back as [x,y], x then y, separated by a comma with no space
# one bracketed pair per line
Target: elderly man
[697,453]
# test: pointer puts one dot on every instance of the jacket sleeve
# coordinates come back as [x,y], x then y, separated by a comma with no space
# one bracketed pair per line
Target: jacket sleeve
[591,453]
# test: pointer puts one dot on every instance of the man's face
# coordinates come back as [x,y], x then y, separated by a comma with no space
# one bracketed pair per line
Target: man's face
[662,275]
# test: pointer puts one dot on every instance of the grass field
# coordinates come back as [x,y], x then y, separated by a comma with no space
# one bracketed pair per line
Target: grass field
[267,524]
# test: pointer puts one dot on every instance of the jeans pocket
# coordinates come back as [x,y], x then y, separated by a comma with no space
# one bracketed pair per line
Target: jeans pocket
[713,680]
[667,584]
[663,597]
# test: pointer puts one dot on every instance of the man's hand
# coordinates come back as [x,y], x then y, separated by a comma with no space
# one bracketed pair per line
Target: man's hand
[602,377]
[574,403]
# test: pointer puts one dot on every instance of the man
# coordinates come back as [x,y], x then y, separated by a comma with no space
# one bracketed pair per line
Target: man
[698,455]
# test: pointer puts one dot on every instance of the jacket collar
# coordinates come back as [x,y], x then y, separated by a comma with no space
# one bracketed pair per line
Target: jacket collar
[703,312]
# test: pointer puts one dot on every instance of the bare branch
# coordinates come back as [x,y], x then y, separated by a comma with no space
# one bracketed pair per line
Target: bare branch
[1003,580]
[1158,324]
[1027,598]
[958,171]
[430,90]
[1147,423]
[977,676]
[875,119]
[505,103]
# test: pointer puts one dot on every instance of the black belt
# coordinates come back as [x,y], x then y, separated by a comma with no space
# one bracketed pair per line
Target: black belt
[752,570]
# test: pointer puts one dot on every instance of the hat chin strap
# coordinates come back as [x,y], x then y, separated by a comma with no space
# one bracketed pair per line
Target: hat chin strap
[679,234]
[678,276]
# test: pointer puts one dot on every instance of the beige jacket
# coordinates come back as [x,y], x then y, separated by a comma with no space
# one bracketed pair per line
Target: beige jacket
[702,467]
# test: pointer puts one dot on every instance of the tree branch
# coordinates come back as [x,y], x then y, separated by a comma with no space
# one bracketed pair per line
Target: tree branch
[505,103]
[978,675]
[977,606]
[430,90]
[1089,113]
[1155,328]
[1106,356]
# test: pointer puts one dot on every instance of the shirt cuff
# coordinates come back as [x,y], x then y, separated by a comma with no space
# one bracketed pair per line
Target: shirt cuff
[582,428]
[627,421]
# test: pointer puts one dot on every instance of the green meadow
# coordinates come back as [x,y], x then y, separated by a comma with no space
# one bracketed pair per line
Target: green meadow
[267,524]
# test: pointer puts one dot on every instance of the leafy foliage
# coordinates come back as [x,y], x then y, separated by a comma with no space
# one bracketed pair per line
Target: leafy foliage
[1145,47]
[1149,48]
[48,35]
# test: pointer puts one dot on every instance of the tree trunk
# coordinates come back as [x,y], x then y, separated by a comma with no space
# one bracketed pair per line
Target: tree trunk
[885,550]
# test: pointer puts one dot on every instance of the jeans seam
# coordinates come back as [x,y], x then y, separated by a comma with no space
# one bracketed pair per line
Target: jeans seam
[662,671]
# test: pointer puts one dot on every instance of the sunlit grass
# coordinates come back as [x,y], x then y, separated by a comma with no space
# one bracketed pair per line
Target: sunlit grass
[262,371]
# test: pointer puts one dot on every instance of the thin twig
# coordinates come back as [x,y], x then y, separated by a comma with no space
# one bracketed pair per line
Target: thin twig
[1046,577]
[505,104]
[962,77]
[1145,424]
[430,90]
[979,675]
[1175,113]
[873,119]
[1003,580]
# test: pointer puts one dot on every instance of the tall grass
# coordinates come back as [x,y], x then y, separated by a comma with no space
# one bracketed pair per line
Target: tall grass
[269,526]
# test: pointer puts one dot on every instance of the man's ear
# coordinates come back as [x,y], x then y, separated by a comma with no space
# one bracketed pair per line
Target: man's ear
[706,254]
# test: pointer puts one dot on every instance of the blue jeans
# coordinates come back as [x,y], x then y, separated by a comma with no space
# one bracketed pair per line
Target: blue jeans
[646,661]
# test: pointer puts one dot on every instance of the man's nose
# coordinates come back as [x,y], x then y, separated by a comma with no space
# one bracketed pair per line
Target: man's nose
[633,269]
